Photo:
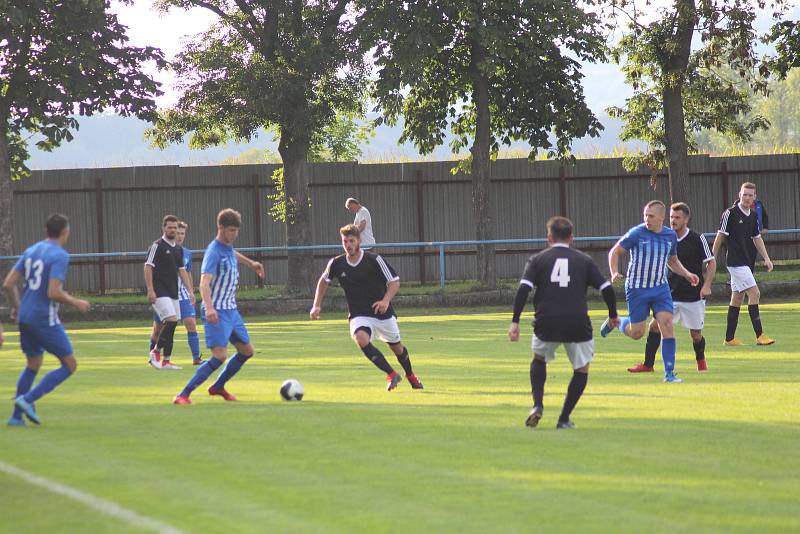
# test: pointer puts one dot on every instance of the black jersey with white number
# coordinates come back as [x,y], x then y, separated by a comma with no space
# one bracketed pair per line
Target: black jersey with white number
[739,228]
[364,282]
[165,259]
[693,253]
[560,276]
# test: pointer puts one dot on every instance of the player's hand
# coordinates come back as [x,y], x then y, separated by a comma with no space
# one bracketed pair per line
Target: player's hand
[259,269]
[693,279]
[314,313]
[12,314]
[211,316]
[705,291]
[82,305]
[513,332]
[380,307]
[769,265]
[613,322]
[192,298]
[151,296]
[616,277]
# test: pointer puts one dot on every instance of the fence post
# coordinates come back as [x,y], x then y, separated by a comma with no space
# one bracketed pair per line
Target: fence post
[723,169]
[421,227]
[441,266]
[257,212]
[562,190]
[101,242]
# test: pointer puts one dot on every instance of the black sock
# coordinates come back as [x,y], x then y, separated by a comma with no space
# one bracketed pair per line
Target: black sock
[651,348]
[405,361]
[574,392]
[755,317]
[375,356]
[538,378]
[165,338]
[733,321]
[700,349]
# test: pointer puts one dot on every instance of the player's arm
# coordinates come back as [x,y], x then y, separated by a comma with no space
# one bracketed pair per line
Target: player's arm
[205,295]
[392,287]
[319,296]
[711,270]
[762,249]
[616,252]
[11,287]
[186,278]
[55,291]
[257,267]
[523,291]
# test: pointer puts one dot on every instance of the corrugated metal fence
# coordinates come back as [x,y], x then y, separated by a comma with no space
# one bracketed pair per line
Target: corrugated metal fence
[120,209]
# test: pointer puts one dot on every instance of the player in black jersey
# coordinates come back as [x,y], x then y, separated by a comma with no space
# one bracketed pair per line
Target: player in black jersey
[688,301]
[738,227]
[560,276]
[369,285]
[161,270]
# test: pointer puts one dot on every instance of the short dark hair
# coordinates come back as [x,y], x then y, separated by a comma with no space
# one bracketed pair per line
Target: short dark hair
[656,203]
[681,206]
[351,230]
[182,225]
[229,217]
[168,219]
[55,225]
[560,228]
[748,185]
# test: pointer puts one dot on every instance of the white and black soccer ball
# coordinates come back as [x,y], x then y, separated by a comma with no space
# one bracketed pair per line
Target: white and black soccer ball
[292,390]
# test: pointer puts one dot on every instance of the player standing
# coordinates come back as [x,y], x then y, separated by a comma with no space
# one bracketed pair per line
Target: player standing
[560,276]
[42,268]
[688,302]
[185,302]
[738,227]
[219,280]
[369,284]
[162,268]
[653,250]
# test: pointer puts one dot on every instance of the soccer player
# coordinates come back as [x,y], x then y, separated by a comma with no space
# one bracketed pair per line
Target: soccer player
[219,279]
[739,225]
[560,276]
[162,268]
[369,285]
[363,221]
[653,249]
[42,269]
[186,305]
[688,302]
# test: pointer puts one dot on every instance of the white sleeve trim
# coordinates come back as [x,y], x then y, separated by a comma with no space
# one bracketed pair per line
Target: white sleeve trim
[326,274]
[385,269]
[721,232]
[706,249]
[151,255]
[604,285]
[526,283]
[395,279]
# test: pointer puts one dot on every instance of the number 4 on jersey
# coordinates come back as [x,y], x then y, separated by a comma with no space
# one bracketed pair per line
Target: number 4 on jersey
[560,272]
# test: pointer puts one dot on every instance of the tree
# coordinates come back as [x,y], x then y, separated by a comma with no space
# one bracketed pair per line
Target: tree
[268,64]
[57,60]
[785,35]
[678,91]
[491,71]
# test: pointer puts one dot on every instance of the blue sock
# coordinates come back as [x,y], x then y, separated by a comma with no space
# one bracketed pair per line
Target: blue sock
[23,386]
[231,368]
[623,322]
[668,353]
[48,383]
[200,376]
[152,343]
[194,344]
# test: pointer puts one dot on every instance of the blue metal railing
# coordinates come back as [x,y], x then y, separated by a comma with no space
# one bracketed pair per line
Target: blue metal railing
[440,245]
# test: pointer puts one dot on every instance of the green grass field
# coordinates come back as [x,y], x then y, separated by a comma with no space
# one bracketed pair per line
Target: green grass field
[716,453]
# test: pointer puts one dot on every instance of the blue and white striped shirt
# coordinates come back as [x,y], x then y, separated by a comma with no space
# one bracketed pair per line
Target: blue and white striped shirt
[39,264]
[220,262]
[649,254]
[183,293]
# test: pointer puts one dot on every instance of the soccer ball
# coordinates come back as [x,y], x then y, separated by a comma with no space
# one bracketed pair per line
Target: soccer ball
[292,390]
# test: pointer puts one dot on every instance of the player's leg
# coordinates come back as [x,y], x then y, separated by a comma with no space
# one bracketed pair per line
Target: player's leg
[25,382]
[635,324]
[699,345]
[155,331]
[580,355]
[188,317]
[388,331]
[169,311]
[650,350]
[244,351]
[217,336]
[753,299]
[543,352]
[361,332]
[668,344]
[737,298]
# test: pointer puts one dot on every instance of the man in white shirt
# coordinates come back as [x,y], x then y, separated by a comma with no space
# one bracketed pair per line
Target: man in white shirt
[363,221]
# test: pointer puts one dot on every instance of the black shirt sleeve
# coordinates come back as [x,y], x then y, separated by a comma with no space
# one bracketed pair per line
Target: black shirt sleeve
[529,274]
[519,301]
[331,271]
[764,217]
[595,279]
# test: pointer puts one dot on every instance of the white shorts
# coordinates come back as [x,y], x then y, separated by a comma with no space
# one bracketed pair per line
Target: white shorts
[167,307]
[690,314]
[386,329]
[579,353]
[742,278]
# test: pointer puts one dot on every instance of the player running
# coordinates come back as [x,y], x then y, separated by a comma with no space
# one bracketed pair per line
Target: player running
[560,276]
[369,284]
[42,268]
[653,250]
[219,280]
[688,302]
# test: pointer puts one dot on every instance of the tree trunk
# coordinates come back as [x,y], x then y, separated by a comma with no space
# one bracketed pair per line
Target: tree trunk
[294,153]
[6,205]
[481,184]
[676,145]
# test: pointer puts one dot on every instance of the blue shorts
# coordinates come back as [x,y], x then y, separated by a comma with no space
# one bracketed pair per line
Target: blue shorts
[229,328]
[187,310]
[642,300]
[35,339]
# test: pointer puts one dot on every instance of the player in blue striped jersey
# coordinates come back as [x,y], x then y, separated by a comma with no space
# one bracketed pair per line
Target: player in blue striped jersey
[219,279]
[653,250]
[42,268]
